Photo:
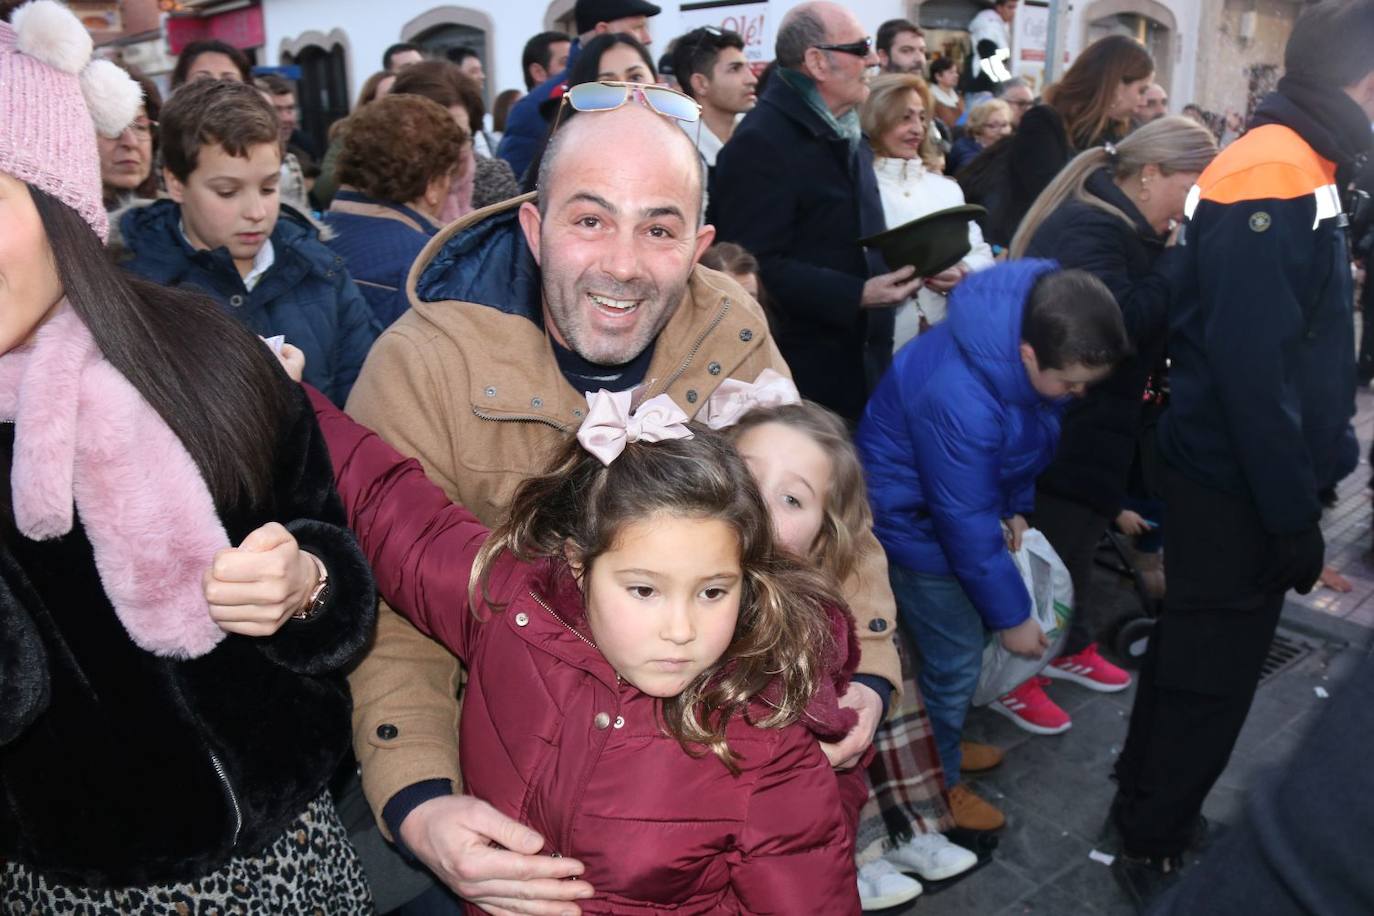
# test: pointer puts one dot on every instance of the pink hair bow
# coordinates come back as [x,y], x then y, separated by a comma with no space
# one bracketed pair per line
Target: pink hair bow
[733,399]
[610,424]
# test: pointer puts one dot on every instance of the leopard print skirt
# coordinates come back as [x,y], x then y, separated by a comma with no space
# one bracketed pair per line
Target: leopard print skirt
[311,870]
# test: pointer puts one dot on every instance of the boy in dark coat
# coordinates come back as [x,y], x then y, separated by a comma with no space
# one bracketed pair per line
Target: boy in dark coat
[221,234]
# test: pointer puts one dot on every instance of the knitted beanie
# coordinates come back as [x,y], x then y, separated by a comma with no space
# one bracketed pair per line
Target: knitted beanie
[53,99]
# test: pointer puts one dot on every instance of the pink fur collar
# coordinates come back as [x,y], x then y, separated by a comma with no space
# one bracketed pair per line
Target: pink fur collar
[85,437]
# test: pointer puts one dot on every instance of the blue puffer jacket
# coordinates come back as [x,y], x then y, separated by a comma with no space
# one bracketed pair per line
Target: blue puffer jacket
[306,295]
[953,439]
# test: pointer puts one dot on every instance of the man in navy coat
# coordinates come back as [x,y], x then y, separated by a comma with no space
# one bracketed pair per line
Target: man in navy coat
[795,187]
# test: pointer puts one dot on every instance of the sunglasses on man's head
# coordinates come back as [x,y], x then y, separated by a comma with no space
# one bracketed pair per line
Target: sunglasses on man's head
[707,35]
[608,95]
[861,48]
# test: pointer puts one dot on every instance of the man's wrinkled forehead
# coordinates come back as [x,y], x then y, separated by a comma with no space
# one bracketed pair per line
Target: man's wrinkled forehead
[630,154]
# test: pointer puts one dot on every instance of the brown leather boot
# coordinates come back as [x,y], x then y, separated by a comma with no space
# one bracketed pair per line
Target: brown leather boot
[975,757]
[973,813]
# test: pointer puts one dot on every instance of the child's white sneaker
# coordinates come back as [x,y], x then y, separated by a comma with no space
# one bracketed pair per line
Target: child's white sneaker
[931,856]
[881,886]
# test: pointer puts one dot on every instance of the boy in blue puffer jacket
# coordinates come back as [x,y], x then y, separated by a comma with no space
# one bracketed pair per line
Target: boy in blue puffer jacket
[224,233]
[952,441]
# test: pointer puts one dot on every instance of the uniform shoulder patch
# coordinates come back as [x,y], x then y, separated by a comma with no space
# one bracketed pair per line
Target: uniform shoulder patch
[1260,221]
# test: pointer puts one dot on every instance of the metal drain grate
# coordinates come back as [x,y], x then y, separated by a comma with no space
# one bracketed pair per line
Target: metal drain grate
[1284,653]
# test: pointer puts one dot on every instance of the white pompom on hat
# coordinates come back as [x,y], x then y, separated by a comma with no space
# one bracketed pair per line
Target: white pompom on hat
[53,99]
[112,96]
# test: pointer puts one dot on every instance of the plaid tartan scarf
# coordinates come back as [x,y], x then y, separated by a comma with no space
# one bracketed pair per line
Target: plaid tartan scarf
[907,783]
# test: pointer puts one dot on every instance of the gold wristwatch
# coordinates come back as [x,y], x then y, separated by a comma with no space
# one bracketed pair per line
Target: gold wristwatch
[319,595]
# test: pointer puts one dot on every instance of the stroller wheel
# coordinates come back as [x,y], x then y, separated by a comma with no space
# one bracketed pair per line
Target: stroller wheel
[1131,640]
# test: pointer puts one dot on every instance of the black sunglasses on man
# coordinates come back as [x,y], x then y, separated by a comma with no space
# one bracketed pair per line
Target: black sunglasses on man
[861,48]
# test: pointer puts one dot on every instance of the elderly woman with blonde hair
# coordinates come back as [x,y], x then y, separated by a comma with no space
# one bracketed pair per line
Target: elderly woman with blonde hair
[896,120]
[988,122]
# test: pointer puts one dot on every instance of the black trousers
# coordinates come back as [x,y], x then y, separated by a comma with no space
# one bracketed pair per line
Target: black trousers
[1203,665]
[1073,530]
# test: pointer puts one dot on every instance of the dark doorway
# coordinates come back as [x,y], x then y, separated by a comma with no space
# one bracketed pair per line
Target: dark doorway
[441,39]
[323,91]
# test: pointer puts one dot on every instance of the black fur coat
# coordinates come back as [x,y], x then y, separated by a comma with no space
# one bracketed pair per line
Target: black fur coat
[118,767]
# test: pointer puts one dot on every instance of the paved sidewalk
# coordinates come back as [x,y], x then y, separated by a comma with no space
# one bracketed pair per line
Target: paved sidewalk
[1347,530]
[1056,790]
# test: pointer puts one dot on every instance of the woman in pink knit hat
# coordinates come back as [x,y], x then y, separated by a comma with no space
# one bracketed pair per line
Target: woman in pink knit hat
[179,597]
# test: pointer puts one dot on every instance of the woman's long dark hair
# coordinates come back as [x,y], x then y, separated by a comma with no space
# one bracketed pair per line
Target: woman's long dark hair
[217,386]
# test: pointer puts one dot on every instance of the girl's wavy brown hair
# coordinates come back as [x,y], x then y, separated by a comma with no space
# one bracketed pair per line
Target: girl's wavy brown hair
[579,507]
[838,547]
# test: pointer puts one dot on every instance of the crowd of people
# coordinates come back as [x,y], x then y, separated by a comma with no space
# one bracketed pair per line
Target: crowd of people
[455,516]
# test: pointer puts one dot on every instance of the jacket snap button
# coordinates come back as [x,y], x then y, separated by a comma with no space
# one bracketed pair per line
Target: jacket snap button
[602,720]
[387,732]
[490,392]
[877,625]
[522,619]
[691,396]
[746,335]
[714,368]
[619,721]
[236,301]
[536,402]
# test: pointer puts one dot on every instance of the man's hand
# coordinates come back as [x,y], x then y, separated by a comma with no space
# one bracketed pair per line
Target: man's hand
[490,860]
[846,752]
[946,280]
[253,589]
[890,289]
[1016,526]
[1026,638]
[1332,579]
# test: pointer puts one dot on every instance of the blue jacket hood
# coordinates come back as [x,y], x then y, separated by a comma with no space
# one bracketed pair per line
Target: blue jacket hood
[985,313]
[486,262]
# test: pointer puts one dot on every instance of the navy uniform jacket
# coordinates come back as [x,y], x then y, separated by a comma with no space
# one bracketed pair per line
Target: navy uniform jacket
[1261,337]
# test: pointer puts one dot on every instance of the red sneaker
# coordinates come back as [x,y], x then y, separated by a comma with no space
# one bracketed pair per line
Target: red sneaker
[1088,669]
[1032,710]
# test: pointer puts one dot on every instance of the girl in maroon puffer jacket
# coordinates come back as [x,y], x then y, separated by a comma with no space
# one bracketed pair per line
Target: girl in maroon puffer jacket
[648,675]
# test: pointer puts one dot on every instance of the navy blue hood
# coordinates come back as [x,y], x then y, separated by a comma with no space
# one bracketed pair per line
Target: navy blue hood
[485,261]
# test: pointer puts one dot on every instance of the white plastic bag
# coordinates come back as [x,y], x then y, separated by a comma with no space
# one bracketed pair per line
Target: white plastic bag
[1051,591]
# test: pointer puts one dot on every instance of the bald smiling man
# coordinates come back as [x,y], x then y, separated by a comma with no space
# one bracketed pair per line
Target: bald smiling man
[515,313]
